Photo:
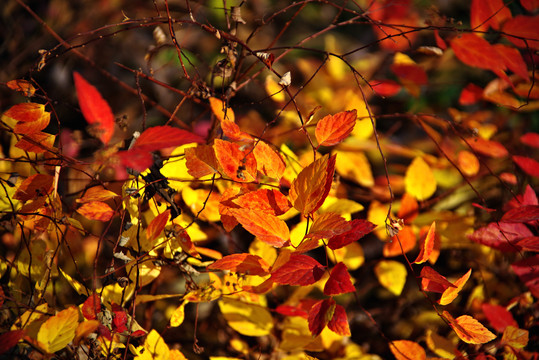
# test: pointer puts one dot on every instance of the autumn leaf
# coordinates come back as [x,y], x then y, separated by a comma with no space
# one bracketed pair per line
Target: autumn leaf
[407,350]
[470,95]
[160,137]
[155,347]
[468,163]
[522,214]
[339,322]
[30,118]
[498,317]
[530,139]
[268,161]
[339,281]
[91,307]
[9,339]
[312,185]
[157,225]
[385,88]
[226,117]
[489,148]
[513,60]
[327,226]
[432,281]
[24,87]
[522,27]
[485,13]
[515,337]
[332,129]
[359,228]
[401,243]
[451,293]
[34,186]
[38,142]
[299,270]
[408,209]
[242,263]
[94,108]
[528,165]
[177,317]
[58,330]
[469,329]
[267,227]
[270,201]
[97,193]
[96,210]
[391,275]
[320,315]
[427,245]
[419,180]
[503,236]
[528,272]
[247,319]
[237,164]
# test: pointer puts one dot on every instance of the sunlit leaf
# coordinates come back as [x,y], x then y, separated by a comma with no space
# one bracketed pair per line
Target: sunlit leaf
[468,163]
[237,164]
[96,210]
[513,60]
[432,281]
[270,201]
[266,227]
[485,13]
[515,337]
[439,345]
[94,108]
[201,161]
[359,228]
[268,161]
[34,186]
[97,193]
[91,307]
[469,329]
[522,27]
[407,350]
[247,319]
[332,129]
[58,330]
[242,263]
[498,317]
[38,142]
[312,185]
[157,225]
[178,315]
[419,180]
[339,281]
[391,275]
[160,137]
[487,147]
[426,245]
[339,322]
[354,166]
[298,270]
[320,315]
[155,348]
[451,293]
[327,226]
[409,208]
[403,242]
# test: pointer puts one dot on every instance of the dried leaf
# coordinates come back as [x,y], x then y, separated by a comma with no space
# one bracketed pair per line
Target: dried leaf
[469,330]
[24,87]
[339,281]
[299,270]
[94,108]
[332,129]
[419,180]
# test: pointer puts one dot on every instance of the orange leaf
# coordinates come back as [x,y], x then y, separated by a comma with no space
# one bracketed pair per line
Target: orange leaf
[236,164]
[299,270]
[339,281]
[200,161]
[38,142]
[404,241]
[31,127]
[26,112]
[266,200]
[312,185]
[407,350]
[452,292]
[339,322]
[268,161]
[33,187]
[332,129]
[327,226]
[468,163]
[94,108]
[96,210]
[359,229]
[409,208]
[320,315]
[515,337]
[470,94]
[485,13]
[267,227]
[487,147]
[160,137]
[513,60]
[157,225]
[22,86]
[91,307]
[432,281]
[523,27]
[184,241]
[227,119]
[427,245]
[97,193]
[242,263]
[469,330]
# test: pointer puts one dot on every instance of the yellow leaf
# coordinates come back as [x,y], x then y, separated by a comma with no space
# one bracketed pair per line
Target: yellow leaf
[175,168]
[58,330]
[84,329]
[141,299]
[295,334]
[451,293]
[264,250]
[79,288]
[155,348]
[343,207]
[198,200]
[145,271]
[377,214]
[514,337]
[391,275]
[245,318]
[274,90]
[419,180]
[469,330]
[407,350]
[178,315]
[440,345]
[363,128]
[351,255]
[177,355]
[354,166]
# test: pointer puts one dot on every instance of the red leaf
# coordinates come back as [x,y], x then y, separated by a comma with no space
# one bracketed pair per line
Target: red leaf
[339,281]
[529,5]
[328,225]
[502,236]
[439,41]
[530,139]
[91,307]
[432,281]
[470,94]
[267,227]
[476,51]
[94,108]
[487,147]
[529,244]
[96,210]
[332,129]
[359,229]
[33,187]
[385,88]
[523,27]
[10,339]
[339,322]
[291,311]
[427,245]
[528,165]
[410,73]
[320,315]
[312,185]
[498,317]
[119,321]
[136,159]
[522,214]
[242,263]
[513,60]
[157,225]
[485,13]
[160,137]
[266,200]
[528,272]
[239,165]
[298,270]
